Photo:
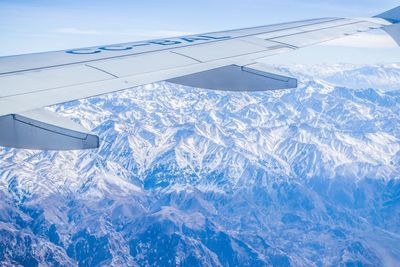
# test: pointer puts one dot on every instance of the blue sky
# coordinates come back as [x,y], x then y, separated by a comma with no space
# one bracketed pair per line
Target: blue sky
[36,26]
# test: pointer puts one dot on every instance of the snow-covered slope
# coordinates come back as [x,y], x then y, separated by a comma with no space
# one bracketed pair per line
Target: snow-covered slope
[383,76]
[189,177]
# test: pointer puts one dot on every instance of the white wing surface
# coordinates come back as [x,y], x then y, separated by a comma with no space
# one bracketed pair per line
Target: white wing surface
[219,61]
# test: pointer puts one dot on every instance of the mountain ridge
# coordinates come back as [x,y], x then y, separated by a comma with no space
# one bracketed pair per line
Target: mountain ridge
[191,177]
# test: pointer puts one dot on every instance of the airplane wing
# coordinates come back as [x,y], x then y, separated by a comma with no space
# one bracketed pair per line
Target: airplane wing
[219,61]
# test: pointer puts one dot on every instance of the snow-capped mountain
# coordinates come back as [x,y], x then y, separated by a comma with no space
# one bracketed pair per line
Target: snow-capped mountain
[190,177]
[383,76]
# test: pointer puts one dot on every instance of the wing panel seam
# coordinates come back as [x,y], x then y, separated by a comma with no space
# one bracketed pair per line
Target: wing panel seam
[104,71]
[183,55]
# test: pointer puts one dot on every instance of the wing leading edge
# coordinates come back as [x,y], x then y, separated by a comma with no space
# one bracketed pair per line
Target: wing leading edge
[219,61]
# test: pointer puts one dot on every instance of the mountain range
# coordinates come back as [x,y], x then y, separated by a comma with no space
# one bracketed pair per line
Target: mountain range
[191,177]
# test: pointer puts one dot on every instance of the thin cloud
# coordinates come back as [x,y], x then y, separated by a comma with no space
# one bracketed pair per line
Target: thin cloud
[153,33]
[76,31]
[167,33]
[133,32]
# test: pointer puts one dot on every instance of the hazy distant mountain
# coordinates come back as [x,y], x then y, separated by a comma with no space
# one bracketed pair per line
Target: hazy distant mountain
[189,177]
[386,77]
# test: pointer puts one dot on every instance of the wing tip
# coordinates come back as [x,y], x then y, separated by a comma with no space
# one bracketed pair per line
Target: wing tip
[392,15]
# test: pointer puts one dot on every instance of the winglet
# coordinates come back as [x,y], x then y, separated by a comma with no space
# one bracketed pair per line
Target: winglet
[392,15]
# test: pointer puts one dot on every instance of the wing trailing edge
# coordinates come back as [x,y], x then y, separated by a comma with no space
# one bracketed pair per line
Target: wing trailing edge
[44,130]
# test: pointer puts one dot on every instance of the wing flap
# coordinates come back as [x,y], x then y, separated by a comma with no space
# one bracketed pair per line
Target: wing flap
[253,77]
[44,130]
